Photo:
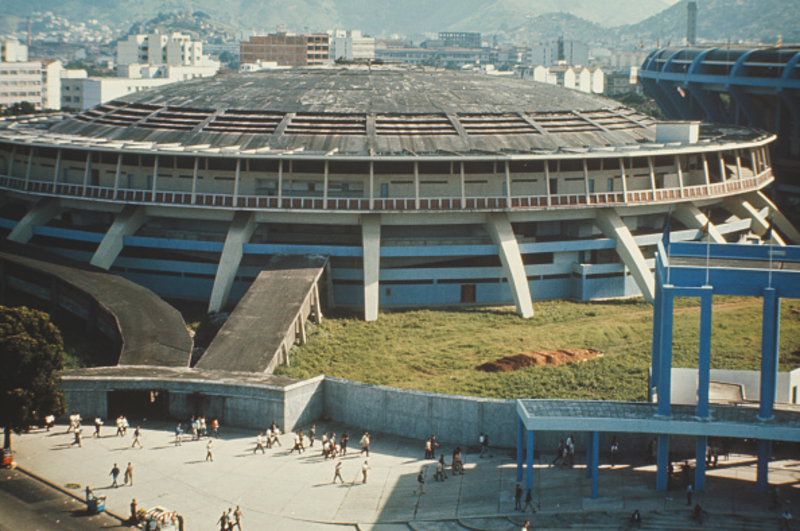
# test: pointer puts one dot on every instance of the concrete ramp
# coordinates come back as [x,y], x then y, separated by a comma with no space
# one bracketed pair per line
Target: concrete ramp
[270,318]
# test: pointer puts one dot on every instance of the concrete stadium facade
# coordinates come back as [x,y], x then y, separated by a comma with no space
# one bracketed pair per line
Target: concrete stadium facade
[424,188]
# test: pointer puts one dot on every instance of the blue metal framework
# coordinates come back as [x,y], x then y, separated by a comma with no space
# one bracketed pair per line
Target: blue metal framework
[699,270]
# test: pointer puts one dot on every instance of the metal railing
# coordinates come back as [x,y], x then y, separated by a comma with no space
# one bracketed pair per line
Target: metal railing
[259,202]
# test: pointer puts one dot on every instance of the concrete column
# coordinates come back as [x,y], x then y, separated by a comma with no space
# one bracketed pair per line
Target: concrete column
[125,224]
[679,169]
[706,174]
[30,166]
[704,355]
[57,168]
[623,177]
[87,171]
[325,186]
[612,226]
[508,185]
[760,201]
[239,233]
[763,455]
[586,180]
[690,215]
[529,459]
[652,175]
[595,474]
[317,305]
[753,163]
[770,335]
[547,181]
[463,188]
[520,448]
[194,181]
[155,177]
[416,185]
[372,185]
[11,162]
[741,207]
[371,245]
[280,183]
[701,445]
[42,212]
[117,174]
[662,462]
[499,228]
[722,171]
[236,177]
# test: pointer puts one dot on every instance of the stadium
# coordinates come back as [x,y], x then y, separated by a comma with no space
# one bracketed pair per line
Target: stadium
[422,188]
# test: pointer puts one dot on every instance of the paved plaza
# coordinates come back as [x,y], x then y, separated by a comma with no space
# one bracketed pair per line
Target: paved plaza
[282,490]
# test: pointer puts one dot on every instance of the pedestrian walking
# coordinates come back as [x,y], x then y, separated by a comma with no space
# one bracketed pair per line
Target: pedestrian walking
[689,494]
[485,446]
[559,453]
[137,434]
[260,443]
[420,483]
[338,472]
[636,519]
[98,423]
[526,526]
[528,501]
[237,518]
[614,452]
[312,434]
[364,471]
[78,436]
[223,521]
[134,511]
[210,451]
[178,435]
[518,498]
[428,450]
[441,462]
[343,444]
[215,428]
[365,443]
[129,474]
[114,475]
[439,474]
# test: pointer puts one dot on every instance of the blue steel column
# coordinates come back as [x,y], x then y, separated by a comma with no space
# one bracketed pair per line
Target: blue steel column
[704,355]
[655,356]
[770,331]
[665,361]
[529,474]
[762,472]
[595,437]
[700,469]
[662,463]
[520,448]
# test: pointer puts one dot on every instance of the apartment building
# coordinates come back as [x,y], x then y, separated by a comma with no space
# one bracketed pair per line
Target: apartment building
[287,49]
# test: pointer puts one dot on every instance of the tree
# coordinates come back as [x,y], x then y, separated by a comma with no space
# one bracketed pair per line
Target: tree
[31,354]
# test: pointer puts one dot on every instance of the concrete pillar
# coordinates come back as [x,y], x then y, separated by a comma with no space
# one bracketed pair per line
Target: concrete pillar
[706,174]
[704,354]
[463,188]
[194,181]
[761,201]
[547,181]
[742,208]
[30,166]
[520,448]
[56,170]
[125,224]
[662,462]
[372,185]
[116,174]
[586,180]
[155,177]
[679,169]
[595,474]
[371,245]
[280,183]
[690,215]
[499,228]
[612,226]
[508,185]
[42,212]
[529,459]
[770,334]
[652,175]
[764,453]
[239,233]
[87,171]
[325,185]
[236,177]
[416,185]
[701,445]
[624,179]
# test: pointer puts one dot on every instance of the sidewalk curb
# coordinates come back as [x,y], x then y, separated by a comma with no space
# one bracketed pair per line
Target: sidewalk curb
[66,491]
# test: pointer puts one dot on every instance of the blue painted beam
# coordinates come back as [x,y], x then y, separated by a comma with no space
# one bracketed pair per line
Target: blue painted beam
[763,455]
[662,462]
[529,458]
[770,333]
[704,354]
[520,448]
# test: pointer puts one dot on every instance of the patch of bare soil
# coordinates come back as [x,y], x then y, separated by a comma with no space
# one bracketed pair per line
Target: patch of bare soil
[539,359]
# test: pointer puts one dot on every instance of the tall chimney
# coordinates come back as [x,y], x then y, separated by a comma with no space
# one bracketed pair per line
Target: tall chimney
[691,22]
[29,32]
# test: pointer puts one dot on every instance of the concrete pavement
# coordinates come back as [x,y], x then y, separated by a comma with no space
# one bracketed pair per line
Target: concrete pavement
[281,491]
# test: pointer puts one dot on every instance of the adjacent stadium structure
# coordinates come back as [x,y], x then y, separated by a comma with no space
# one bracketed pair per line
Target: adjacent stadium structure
[422,187]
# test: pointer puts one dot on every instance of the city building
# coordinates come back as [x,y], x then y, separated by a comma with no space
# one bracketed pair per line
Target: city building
[350,45]
[431,188]
[287,49]
[51,84]
[623,81]
[438,56]
[589,80]
[461,39]
[558,51]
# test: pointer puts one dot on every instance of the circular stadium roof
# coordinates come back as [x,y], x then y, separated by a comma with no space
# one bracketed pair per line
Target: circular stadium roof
[360,111]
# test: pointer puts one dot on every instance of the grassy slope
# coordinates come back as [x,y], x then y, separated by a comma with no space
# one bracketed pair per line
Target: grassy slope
[439,350]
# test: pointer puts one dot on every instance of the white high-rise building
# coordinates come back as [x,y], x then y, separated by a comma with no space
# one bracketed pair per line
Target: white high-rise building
[351,45]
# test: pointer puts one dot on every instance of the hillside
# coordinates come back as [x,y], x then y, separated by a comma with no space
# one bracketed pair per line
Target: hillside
[720,20]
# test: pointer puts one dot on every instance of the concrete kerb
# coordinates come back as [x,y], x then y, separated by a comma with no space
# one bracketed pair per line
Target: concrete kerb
[67,492]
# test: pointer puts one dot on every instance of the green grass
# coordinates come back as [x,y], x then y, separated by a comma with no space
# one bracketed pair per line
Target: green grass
[438,350]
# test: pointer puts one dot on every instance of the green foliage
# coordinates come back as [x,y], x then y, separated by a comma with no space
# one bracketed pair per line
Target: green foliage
[438,351]
[18,109]
[31,354]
